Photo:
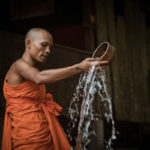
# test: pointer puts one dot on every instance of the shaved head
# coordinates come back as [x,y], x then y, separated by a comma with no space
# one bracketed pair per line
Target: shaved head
[36,33]
[38,44]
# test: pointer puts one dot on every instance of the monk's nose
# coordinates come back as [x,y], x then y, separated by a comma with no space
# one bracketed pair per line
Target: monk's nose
[47,50]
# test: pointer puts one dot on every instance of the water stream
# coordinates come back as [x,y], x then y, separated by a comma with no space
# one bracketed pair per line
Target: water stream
[81,107]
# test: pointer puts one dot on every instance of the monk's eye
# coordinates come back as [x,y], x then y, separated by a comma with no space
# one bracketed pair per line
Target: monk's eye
[44,44]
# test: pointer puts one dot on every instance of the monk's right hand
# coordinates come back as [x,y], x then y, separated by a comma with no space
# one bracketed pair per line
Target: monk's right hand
[88,62]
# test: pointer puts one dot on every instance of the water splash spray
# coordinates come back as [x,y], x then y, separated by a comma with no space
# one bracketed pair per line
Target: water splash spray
[90,84]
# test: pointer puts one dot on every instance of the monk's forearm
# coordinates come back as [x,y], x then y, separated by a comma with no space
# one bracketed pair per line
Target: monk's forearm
[54,75]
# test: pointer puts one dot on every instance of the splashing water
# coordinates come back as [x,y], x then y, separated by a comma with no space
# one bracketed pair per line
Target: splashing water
[90,84]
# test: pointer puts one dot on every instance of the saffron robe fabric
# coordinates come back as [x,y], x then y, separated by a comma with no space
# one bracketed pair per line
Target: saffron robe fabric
[30,119]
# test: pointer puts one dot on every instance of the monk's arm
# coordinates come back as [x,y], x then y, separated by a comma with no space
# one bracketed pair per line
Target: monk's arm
[29,72]
[54,75]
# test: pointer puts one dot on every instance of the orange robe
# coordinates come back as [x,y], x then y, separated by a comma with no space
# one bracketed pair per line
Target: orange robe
[30,119]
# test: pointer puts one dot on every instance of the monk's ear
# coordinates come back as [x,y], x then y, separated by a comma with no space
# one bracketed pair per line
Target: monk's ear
[28,43]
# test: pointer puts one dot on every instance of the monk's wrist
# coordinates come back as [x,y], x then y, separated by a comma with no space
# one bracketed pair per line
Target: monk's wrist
[78,68]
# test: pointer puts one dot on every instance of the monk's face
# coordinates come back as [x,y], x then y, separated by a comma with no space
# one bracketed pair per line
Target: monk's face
[40,46]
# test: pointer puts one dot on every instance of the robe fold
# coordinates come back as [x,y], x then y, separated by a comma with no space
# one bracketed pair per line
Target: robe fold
[31,119]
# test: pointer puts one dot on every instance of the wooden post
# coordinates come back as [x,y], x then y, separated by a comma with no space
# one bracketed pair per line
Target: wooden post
[102,35]
[148,64]
[135,27]
[121,106]
[89,25]
[113,70]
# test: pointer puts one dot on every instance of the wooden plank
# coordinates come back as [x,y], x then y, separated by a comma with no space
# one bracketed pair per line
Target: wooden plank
[139,79]
[102,32]
[114,74]
[88,24]
[135,25]
[129,19]
[102,35]
[101,22]
[121,105]
[144,67]
[148,46]
[148,65]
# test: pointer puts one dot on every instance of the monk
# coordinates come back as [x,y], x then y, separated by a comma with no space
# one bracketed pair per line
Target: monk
[31,114]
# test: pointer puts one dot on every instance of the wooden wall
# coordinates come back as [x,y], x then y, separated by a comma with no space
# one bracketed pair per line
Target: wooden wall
[128,33]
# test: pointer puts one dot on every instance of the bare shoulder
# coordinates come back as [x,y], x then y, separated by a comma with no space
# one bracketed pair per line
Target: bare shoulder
[21,71]
[20,65]
[13,77]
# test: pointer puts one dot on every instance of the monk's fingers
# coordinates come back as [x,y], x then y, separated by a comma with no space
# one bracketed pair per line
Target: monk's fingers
[92,59]
[100,63]
[96,63]
[103,63]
